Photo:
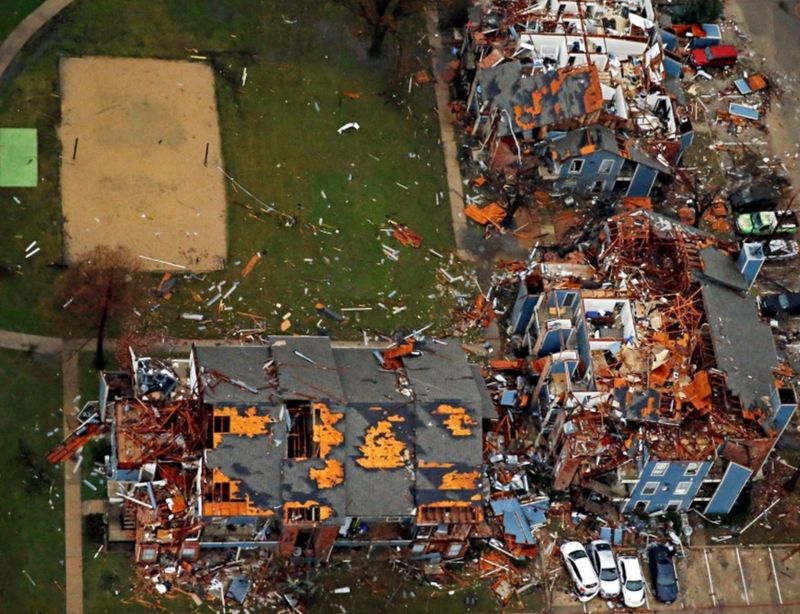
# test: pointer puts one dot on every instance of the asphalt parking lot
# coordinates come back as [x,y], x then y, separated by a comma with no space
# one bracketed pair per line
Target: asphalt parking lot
[718,578]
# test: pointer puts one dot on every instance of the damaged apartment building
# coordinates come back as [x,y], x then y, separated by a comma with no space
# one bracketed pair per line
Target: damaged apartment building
[652,380]
[579,96]
[294,445]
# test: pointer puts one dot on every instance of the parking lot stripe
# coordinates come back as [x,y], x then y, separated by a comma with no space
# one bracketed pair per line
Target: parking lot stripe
[775,575]
[710,581]
[741,573]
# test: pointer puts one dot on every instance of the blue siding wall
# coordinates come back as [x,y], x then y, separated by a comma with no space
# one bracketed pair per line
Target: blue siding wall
[584,351]
[783,415]
[590,172]
[522,312]
[727,492]
[642,181]
[666,486]
[553,339]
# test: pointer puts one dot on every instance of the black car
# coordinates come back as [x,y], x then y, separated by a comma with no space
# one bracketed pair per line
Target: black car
[756,197]
[772,305]
[662,573]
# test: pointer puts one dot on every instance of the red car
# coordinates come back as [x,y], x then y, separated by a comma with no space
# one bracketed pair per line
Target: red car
[716,56]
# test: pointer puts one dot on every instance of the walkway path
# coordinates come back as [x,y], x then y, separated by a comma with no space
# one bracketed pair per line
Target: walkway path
[455,188]
[73,517]
[26,29]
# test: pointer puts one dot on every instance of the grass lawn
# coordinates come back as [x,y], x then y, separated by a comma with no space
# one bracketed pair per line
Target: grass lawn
[13,12]
[308,74]
[108,582]
[95,450]
[31,508]
[375,587]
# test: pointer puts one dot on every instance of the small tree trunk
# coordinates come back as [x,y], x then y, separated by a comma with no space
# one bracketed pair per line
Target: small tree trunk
[99,359]
[791,483]
[378,36]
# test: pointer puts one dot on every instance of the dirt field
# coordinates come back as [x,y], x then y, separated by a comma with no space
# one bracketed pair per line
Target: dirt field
[138,177]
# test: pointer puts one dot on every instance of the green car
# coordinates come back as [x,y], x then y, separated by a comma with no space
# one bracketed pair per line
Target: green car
[761,223]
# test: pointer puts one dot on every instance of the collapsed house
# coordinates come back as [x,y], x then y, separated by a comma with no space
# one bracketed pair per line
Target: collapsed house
[651,379]
[294,445]
[582,95]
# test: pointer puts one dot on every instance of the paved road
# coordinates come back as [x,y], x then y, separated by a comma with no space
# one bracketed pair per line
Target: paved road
[774,34]
[26,29]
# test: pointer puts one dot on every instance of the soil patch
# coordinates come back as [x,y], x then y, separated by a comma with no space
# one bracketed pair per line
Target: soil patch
[134,172]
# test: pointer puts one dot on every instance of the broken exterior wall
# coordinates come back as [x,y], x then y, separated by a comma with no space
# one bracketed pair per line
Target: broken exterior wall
[631,393]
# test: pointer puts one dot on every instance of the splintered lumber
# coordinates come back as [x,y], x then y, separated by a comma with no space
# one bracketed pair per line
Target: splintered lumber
[492,213]
[251,264]
[405,235]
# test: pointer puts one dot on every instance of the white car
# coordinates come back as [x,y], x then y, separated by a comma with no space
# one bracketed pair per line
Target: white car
[606,567]
[632,580]
[581,570]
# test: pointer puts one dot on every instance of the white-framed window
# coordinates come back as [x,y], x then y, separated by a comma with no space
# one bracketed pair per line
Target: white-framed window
[660,469]
[692,469]
[576,166]
[641,506]
[683,488]
[606,166]
[673,506]
[650,488]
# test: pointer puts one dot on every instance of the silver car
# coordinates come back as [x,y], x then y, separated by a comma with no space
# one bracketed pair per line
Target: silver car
[606,567]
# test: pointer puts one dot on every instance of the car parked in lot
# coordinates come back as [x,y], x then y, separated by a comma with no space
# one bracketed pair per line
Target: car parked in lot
[755,197]
[780,249]
[662,573]
[580,568]
[631,581]
[764,223]
[606,567]
[715,56]
[772,305]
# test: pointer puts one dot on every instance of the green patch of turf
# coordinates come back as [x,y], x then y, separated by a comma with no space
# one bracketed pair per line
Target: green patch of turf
[18,158]
[13,12]
[31,508]
[280,141]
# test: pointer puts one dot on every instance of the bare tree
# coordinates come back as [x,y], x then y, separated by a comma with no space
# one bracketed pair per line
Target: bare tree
[101,286]
[381,17]
[702,199]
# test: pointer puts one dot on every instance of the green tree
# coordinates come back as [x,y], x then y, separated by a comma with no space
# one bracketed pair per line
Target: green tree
[701,11]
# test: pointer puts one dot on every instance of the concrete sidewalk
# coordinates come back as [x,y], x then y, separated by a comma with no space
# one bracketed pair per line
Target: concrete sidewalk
[26,29]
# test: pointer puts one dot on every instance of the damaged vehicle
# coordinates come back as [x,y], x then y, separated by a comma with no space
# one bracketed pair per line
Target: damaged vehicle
[780,249]
[580,568]
[715,56]
[765,223]
[606,568]
[772,305]
[632,581]
[662,572]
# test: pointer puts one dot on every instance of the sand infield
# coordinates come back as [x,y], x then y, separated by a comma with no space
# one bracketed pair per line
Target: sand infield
[138,177]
